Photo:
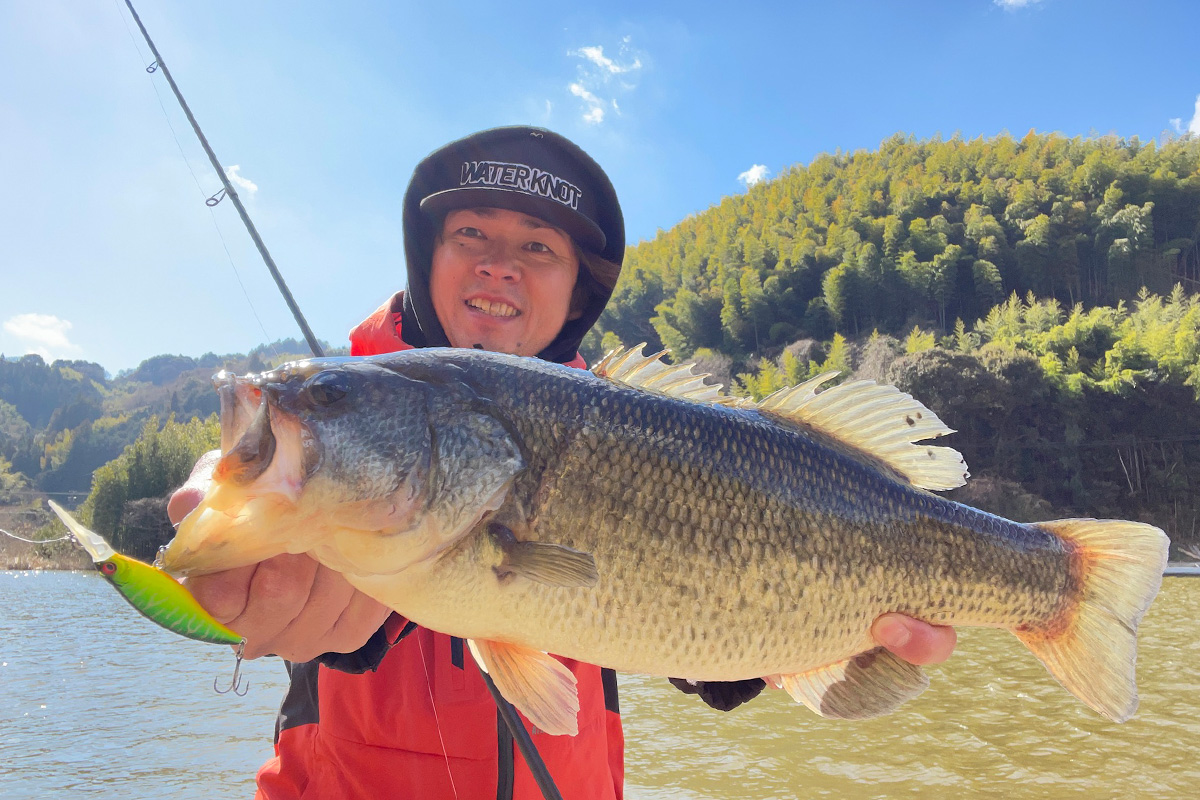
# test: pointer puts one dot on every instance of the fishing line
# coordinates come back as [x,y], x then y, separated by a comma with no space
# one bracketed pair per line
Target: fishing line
[436,722]
[209,205]
[34,541]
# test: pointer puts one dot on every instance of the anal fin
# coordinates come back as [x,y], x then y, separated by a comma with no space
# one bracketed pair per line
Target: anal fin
[538,685]
[869,684]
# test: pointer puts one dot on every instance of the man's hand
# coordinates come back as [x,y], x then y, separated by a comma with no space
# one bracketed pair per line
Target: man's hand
[915,641]
[289,605]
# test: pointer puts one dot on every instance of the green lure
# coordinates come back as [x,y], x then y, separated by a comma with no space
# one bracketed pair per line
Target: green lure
[155,594]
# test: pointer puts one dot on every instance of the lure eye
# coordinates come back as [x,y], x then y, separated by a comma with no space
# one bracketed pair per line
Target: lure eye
[108,568]
[327,388]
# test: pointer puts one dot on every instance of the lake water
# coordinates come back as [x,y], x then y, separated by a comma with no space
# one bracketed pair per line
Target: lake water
[96,702]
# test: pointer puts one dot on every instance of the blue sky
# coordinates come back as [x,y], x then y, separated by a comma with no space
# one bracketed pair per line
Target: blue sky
[108,253]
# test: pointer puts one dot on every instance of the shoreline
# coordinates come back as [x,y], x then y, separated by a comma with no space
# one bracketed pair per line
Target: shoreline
[25,562]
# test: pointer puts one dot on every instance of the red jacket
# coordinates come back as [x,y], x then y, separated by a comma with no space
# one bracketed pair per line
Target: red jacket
[421,724]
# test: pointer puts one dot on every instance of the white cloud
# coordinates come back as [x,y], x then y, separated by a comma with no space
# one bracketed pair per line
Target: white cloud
[582,93]
[44,334]
[756,173]
[595,84]
[1013,5]
[595,112]
[597,57]
[237,180]
[1193,125]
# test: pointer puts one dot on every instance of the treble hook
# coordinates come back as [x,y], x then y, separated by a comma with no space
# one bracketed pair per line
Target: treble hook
[236,683]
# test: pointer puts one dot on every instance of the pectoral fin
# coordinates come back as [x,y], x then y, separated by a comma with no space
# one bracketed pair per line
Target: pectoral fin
[551,564]
[869,684]
[537,684]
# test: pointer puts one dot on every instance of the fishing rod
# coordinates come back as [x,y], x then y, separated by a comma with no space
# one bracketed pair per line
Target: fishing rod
[520,736]
[229,191]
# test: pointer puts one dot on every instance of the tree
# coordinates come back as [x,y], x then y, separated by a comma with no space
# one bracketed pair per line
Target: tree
[989,287]
[157,461]
[691,321]
[945,278]
[11,482]
[844,292]
[754,300]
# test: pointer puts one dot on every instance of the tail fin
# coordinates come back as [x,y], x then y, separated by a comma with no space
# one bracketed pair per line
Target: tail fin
[1093,652]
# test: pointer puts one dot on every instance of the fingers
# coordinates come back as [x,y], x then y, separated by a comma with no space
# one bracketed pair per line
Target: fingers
[306,633]
[914,641]
[182,501]
[188,496]
[361,618]
[290,606]
[278,593]
[223,594]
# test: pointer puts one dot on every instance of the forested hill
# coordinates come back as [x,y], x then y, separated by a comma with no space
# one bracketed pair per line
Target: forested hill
[915,233]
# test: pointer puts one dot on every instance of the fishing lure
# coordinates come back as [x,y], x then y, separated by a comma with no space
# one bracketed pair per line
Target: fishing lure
[155,594]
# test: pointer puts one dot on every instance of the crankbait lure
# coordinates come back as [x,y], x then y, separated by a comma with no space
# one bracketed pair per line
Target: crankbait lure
[155,594]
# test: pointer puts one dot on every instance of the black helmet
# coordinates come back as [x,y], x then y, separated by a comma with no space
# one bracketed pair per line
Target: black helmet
[531,170]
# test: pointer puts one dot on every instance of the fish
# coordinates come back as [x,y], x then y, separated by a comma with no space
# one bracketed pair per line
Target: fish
[637,518]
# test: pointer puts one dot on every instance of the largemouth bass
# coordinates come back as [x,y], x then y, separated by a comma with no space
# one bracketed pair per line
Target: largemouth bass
[634,518]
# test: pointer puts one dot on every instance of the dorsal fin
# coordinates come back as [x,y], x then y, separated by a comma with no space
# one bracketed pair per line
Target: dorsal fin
[631,367]
[878,420]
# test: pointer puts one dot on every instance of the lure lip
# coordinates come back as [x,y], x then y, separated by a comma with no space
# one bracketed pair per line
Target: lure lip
[95,546]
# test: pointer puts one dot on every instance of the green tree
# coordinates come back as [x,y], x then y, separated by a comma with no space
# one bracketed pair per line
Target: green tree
[11,483]
[754,301]
[844,292]
[159,460]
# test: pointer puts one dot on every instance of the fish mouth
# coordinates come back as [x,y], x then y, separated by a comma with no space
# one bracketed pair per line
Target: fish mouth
[249,512]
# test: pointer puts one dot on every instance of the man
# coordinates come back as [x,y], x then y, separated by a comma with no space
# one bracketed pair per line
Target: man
[513,239]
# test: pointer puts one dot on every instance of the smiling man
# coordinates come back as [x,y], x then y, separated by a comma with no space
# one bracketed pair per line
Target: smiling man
[479,287]
[514,240]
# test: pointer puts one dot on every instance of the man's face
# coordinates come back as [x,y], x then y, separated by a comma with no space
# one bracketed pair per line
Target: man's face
[502,279]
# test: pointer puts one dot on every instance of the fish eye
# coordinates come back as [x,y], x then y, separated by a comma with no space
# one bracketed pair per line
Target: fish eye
[326,388]
[108,568]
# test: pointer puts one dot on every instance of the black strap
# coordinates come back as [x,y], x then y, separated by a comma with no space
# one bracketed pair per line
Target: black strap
[456,651]
[300,705]
[506,759]
[608,678]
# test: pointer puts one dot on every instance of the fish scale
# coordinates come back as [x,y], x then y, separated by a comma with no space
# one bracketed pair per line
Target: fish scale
[533,508]
[797,532]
